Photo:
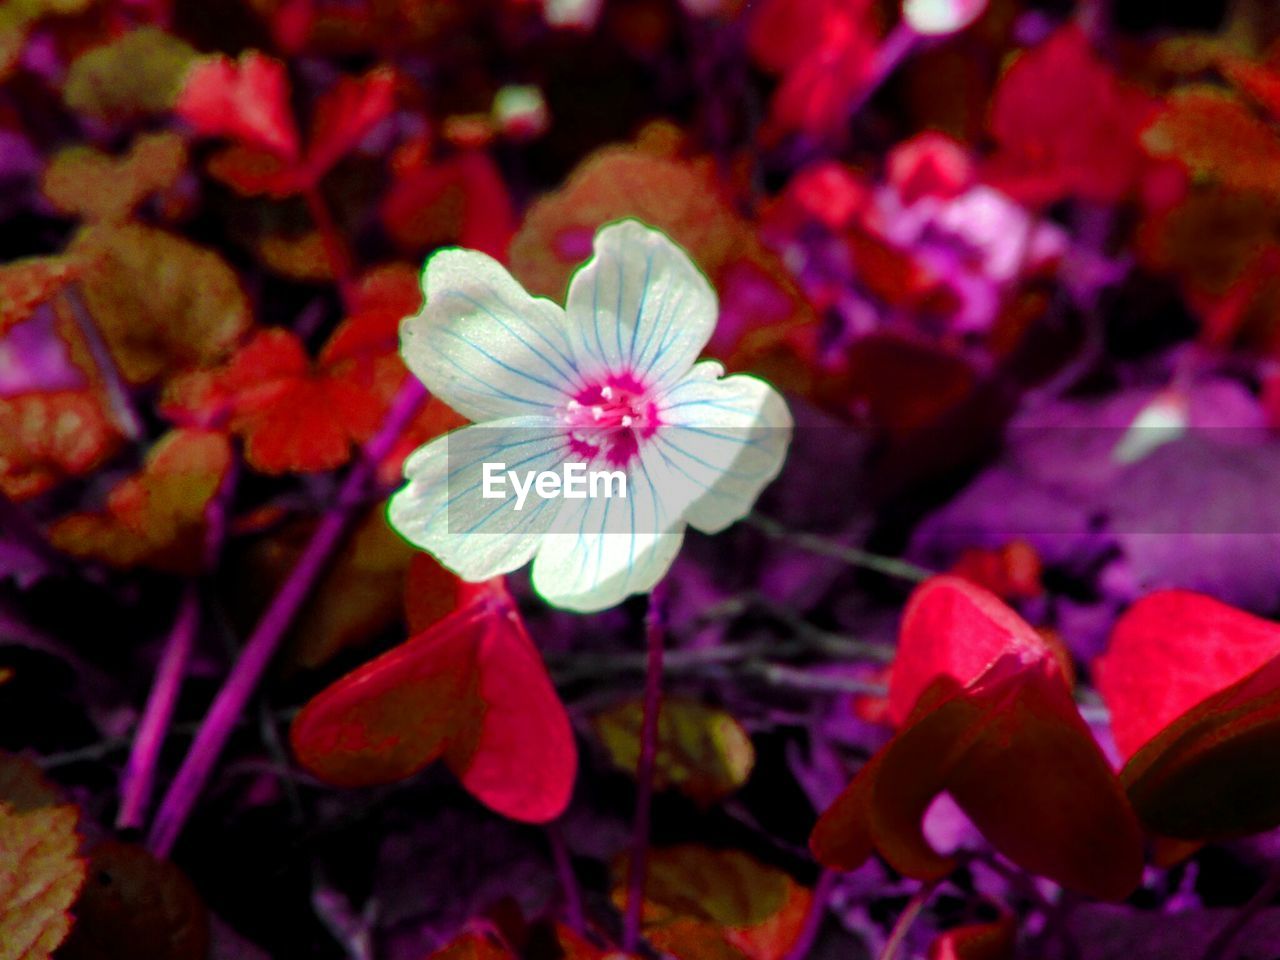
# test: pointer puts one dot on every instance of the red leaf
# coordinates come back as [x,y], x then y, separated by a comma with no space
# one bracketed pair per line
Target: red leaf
[1011,572]
[254,172]
[460,200]
[25,284]
[995,726]
[930,164]
[1169,652]
[470,688]
[47,437]
[431,593]
[1065,125]
[1259,81]
[905,383]
[245,100]
[345,115]
[524,761]
[155,518]
[293,417]
[384,297]
[954,628]
[978,941]
[1211,774]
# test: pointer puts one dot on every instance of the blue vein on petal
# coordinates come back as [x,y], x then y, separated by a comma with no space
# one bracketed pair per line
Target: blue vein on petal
[529,346]
[451,497]
[644,296]
[667,338]
[617,311]
[566,357]
[720,471]
[558,390]
[489,389]
[706,488]
[662,313]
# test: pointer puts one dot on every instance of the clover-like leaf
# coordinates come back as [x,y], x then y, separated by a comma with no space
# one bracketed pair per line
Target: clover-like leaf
[1214,135]
[41,871]
[1170,651]
[702,751]
[87,183]
[156,518]
[139,72]
[26,284]
[135,905]
[707,904]
[471,690]
[48,437]
[1009,746]
[160,301]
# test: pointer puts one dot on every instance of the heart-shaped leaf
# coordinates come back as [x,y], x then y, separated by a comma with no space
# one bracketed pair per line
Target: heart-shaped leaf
[470,689]
[703,752]
[1008,745]
[1211,773]
[952,627]
[1170,651]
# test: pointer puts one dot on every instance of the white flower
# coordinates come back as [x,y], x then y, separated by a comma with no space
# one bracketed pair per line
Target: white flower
[611,381]
[937,17]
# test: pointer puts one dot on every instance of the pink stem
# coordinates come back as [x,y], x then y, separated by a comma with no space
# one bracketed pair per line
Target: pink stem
[139,773]
[813,919]
[905,921]
[568,879]
[902,39]
[229,704]
[639,868]
[148,741]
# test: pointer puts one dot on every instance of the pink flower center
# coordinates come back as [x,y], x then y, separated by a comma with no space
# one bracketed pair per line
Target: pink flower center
[610,419]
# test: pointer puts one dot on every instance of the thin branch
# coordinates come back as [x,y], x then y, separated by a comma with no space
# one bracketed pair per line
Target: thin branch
[569,888]
[258,652]
[138,780]
[821,546]
[639,866]
[813,919]
[905,921]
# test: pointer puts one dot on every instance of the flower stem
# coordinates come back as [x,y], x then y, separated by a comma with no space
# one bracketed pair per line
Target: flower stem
[895,48]
[568,879]
[139,772]
[639,866]
[335,247]
[905,920]
[889,566]
[229,704]
[813,919]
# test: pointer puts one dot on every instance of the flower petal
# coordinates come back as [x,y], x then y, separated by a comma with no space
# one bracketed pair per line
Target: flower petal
[483,345]
[726,438]
[640,305]
[604,549]
[443,509]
